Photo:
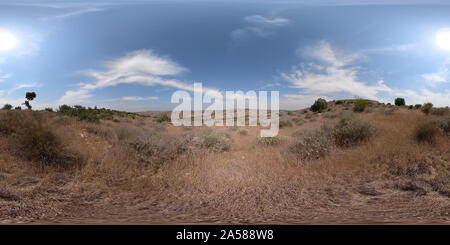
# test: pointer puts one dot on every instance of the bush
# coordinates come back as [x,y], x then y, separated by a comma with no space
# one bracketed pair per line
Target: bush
[215,141]
[319,105]
[49,109]
[417,106]
[10,122]
[443,124]
[39,144]
[35,141]
[243,132]
[399,101]
[157,149]
[314,144]
[360,105]
[425,132]
[17,108]
[339,102]
[440,111]
[7,107]
[351,130]
[271,141]
[92,114]
[427,108]
[162,118]
[286,123]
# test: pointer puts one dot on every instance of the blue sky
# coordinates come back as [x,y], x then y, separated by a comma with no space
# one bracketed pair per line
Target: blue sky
[133,56]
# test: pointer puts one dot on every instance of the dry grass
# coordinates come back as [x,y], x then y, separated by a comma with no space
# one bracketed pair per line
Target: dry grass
[390,178]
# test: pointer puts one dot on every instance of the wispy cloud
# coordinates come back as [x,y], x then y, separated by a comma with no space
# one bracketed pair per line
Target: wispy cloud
[3,77]
[439,77]
[258,25]
[140,67]
[72,13]
[23,86]
[136,98]
[393,48]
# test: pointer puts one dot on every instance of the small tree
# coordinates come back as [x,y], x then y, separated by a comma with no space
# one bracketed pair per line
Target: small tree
[399,101]
[427,108]
[18,108]
[29,96]
[7,107]
[319,105]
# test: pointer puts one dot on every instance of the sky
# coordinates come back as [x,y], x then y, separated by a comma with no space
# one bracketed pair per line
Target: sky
[134,55]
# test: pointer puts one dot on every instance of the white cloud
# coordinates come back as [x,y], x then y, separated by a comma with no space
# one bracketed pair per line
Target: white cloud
[436,78]
[139,67]
[335,78]
[136,98]
[260,26]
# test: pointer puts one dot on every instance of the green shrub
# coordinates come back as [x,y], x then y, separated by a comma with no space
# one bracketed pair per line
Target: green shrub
[427,108]
[92,114]
[425,132]
[18,108]
[417,106]
[7,107]
[411,107]
[339,102]
[351,130]
[360,105]
[49,109]
[399,101]
[286,123]
[319,105]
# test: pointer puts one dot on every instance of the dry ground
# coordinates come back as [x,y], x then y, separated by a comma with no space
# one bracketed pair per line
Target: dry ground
[390,179]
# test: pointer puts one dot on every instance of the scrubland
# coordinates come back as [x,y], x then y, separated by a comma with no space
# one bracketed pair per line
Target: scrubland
[381,164]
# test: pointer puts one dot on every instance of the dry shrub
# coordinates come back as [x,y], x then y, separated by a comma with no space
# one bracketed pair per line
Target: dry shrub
[214,141]
[126,133]
[352,130]
[100,131]
[157,148]
[243,132]
[271,141]
[440,111]
[40,144]
[286,123]
[425,132]
[314,144]
[443,124]
[35,140]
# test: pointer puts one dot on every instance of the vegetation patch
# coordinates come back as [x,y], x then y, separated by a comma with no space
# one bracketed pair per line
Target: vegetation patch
[351,130]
